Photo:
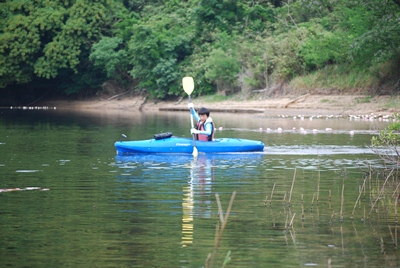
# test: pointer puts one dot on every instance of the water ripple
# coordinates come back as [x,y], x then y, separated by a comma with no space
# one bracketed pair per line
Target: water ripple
[315,150]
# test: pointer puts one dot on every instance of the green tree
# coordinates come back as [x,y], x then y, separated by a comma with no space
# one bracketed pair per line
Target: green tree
[108,55]
[43,38]
[224,45]
[157,50]
[324,47]
[223,63]
[216,14]
[379,42]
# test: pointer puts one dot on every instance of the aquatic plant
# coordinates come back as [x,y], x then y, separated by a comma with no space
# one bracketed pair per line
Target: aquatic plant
[387,143]
[375,206]
[219,230]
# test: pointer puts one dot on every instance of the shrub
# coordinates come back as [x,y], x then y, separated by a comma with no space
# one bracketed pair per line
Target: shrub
[387,143]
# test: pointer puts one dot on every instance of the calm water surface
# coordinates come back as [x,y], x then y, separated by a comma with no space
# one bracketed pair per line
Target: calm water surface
[68,201]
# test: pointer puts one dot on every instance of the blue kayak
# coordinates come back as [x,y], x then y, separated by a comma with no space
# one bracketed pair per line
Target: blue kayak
[185,145]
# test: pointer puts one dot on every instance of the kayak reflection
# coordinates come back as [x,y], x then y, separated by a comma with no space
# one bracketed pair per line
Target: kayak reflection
[195,178]
[185,159]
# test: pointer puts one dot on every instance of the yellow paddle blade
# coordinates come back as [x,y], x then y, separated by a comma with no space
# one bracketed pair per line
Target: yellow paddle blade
[195,152]
[188,84]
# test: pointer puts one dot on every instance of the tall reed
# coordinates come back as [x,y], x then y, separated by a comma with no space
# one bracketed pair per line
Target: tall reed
[342,204]
[358,198]
[272,194]
[219,230]
[291,189]
[381,191]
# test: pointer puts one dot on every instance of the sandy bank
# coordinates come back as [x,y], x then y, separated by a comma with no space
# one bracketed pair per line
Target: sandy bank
[288,105]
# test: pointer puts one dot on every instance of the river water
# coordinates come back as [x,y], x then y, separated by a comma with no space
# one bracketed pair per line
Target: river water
[67,200]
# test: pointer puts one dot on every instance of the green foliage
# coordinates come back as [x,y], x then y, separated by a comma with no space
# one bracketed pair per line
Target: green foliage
[166,74]
[106,55]
[157,50]
[40,38]
[342,77]
[215,14]
[195,66]
[215,98]
[258,16]
[139,5]
[286,49]
[222,62]
[20,37]
[324,47]
[338,34]
[395,126]
[123,28]
[379,41]
[83,25]
[389,141]
[222,67]
[393,103]
[224,45]
[256,59]
[330,38]
[82,84]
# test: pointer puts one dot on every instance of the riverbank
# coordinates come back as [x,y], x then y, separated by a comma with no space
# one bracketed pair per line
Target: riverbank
[286,105]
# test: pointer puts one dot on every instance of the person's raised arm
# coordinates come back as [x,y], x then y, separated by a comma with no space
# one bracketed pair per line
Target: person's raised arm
[193,111]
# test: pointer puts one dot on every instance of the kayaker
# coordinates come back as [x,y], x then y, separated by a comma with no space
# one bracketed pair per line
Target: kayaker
[205,127]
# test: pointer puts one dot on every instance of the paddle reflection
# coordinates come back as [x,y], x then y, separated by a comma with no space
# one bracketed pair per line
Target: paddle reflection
[201,177]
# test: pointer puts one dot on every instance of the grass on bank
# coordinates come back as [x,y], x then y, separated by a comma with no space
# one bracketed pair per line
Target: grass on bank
[216,98]
[339,78]
[380,79]
[393,103]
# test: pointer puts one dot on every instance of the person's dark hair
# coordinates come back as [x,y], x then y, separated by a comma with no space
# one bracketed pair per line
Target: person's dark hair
[203,110]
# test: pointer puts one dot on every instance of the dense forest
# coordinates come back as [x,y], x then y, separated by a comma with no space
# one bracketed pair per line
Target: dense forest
[80,48]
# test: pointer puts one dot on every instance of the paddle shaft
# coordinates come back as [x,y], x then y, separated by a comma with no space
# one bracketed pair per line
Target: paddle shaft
[191,123]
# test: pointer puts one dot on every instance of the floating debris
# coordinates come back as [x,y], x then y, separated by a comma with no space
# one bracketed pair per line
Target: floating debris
[23,189]
[32,188]
[32,108]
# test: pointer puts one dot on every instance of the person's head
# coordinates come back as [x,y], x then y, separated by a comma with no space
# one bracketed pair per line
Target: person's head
[204,113]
